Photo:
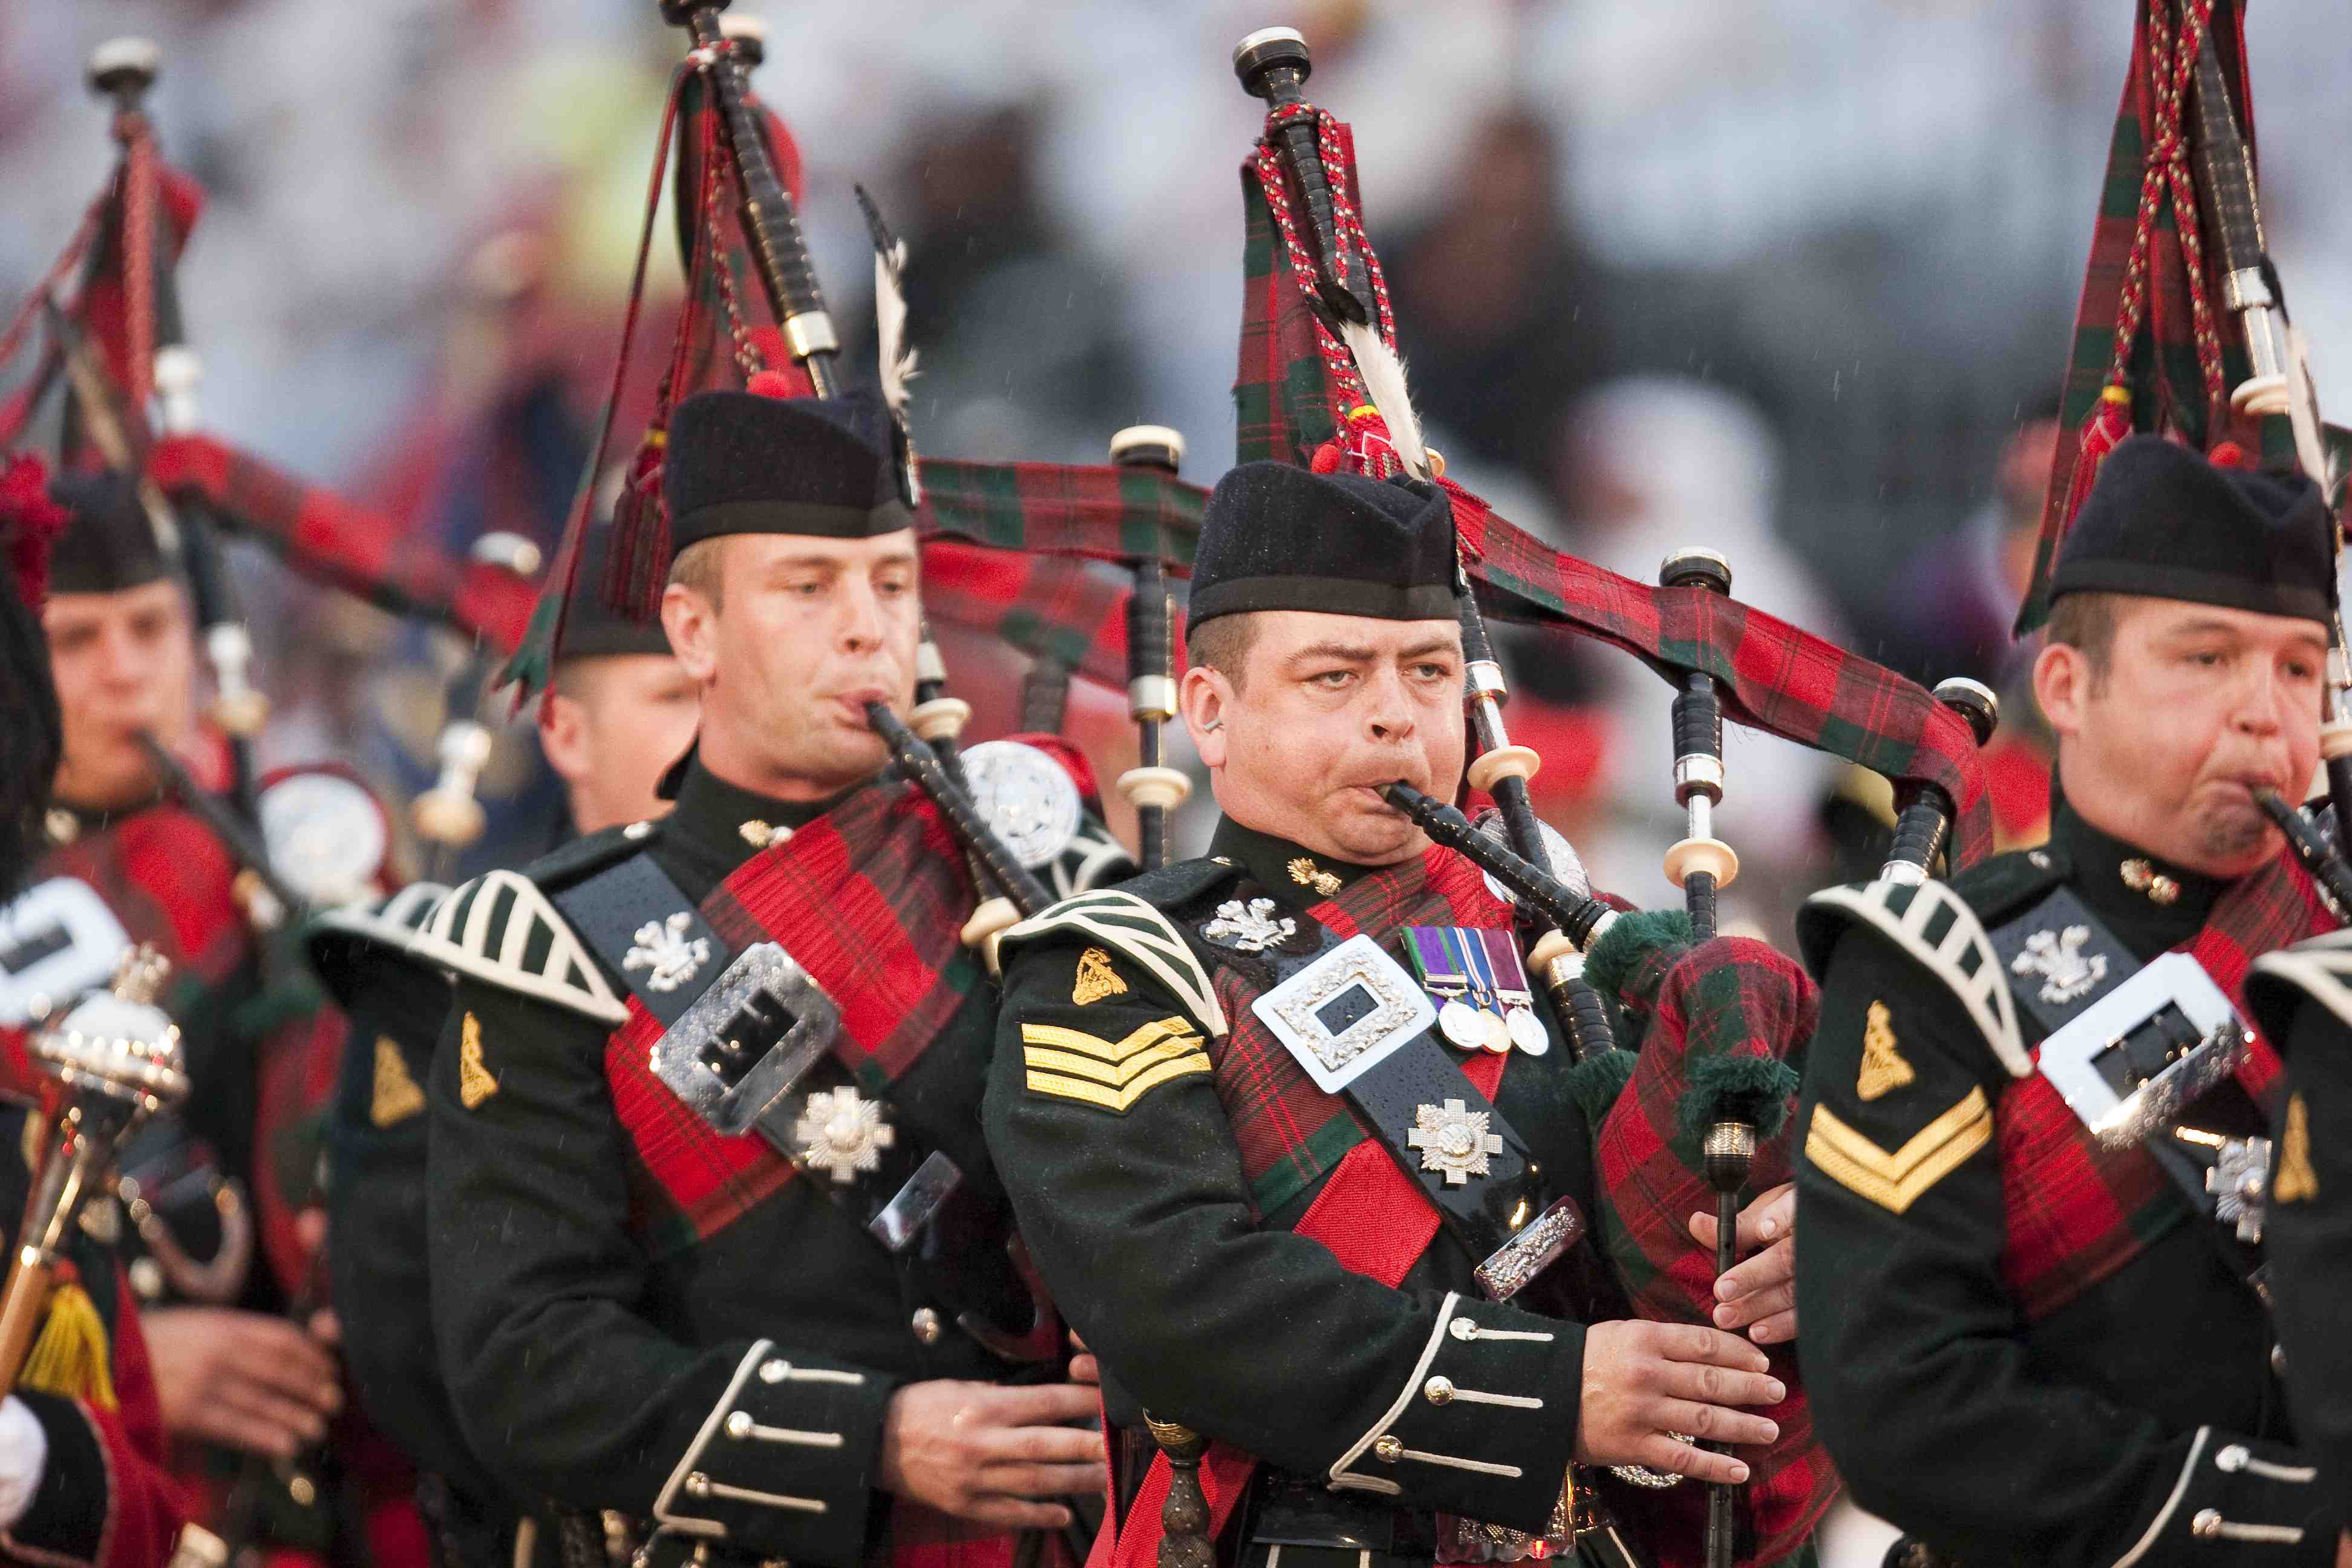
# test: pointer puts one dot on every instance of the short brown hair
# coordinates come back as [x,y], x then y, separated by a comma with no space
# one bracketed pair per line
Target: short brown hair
[1224,645]
[2086,623]
[697,567]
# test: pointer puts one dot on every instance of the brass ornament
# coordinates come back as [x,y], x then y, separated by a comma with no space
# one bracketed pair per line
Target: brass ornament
[1884,1070]
[1096,979]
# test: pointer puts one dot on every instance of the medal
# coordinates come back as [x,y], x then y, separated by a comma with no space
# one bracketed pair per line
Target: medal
[1459,1022]
[1527,1029]
[1437,953]
[1495,1033]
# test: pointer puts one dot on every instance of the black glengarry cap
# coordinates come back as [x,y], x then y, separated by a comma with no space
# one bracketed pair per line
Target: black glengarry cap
[1278,537]
[2164,522]
[739,462]
[108,545]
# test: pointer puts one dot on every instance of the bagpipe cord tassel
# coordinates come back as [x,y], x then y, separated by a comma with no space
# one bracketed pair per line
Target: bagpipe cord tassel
[71,1359]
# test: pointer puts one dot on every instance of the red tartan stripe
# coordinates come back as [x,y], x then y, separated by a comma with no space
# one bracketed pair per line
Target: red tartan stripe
[870,899]
[1045,606]
[698,1182]
[1108,513]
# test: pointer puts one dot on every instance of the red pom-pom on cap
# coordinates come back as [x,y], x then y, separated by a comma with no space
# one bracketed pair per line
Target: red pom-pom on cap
[30,522]
[1326,460]
[2227,454]
[770,384]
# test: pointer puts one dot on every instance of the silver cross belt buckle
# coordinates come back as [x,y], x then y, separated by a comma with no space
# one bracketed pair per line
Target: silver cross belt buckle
[747,1040]
[2128,1063]
[1345,1012]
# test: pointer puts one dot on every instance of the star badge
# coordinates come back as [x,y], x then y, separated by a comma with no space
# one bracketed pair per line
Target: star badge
[841,1133]
[1453,1139]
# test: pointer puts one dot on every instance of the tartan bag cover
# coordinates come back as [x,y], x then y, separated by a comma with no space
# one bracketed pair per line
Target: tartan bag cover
[869,898]
[1730,997]
[2078,1211]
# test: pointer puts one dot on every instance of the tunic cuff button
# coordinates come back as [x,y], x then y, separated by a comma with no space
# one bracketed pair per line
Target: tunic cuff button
[773,1371]
[1462,1329]
[739,1424]
[2233,1458]
[2207,1525]
[927,1326]
[698,1484]
[1391,1448]
[1439,1390]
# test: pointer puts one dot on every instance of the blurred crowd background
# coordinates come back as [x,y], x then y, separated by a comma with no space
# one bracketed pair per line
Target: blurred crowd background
[1791,278]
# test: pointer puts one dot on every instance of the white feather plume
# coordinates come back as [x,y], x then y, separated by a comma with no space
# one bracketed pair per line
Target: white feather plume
[1384,382]
[890,327]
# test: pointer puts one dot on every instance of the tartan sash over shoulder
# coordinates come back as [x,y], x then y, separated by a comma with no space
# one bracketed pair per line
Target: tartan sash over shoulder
[1291,1133]
[2078,1211]
[869,899]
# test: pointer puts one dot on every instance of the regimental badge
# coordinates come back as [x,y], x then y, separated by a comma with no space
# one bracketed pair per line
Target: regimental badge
[2238,1181]
[1096,979]
[841,1133]
[1453,1139]
[2141,877]
[1307,874]
[474,1082]
[397,1097]
[663,947]
[1884,1070]
[1026,796]
[2067,972]
[760,835]
[2295,1181]
[1248,928]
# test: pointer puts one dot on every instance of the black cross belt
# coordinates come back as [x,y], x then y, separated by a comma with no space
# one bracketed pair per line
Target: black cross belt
[1433,1119]
[747,1043]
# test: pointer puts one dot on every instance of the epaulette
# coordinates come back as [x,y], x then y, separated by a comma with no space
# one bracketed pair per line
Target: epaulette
[338,942]
[500,929]
[2319,969]
[1128,920]
[2001,887]
[1092,859]
[1935,926]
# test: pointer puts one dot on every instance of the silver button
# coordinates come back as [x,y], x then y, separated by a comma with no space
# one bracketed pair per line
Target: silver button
[1391,1448]
[739,1424]
[2207,1525]
[1439,1390]
[698,1484]
[2233,1458]
[637,830]
[2278,1359]
[146,1278]
[2037,859]
[928,1327]
[1462,1329]
[775,1371]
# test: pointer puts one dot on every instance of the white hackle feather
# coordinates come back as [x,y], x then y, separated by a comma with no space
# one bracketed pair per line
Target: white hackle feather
[1384,383]
[890,327]
[2302,413]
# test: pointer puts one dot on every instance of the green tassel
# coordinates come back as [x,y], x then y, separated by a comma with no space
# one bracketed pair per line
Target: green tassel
[1754,1089]
[1595,1083]
[1631,938]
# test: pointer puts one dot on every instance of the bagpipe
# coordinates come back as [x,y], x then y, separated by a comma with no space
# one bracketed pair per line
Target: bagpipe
[1692,1119]
[2183,328]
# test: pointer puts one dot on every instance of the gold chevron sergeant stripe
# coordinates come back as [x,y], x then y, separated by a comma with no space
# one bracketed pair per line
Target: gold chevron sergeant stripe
[1070,1064]
[1894,1182]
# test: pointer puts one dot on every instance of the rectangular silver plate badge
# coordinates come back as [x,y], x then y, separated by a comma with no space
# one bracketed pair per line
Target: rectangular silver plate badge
[2070,1057]
[1343,1013]
[57,941]
[727,1077]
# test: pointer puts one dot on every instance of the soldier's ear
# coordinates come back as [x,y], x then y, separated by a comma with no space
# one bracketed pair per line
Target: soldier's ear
[2061,686]
[690,622]
[1205,699]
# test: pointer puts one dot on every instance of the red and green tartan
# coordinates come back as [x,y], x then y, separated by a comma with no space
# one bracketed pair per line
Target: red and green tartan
[343,545]
[1292,1133]
[1730,997]
[870,900]
[2078,1211]
[1772,676]
[167,879]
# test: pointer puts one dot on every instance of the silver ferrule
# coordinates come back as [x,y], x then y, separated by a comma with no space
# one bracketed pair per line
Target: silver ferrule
[1902,873]
[1486,723]
[1151,698]
[811,332]
[1486,679]
[1731,1140]
[1702,816]
[2247,289]
[1699,771]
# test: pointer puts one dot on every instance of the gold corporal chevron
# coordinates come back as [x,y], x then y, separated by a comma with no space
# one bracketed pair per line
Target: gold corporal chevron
[1896,1181]
[1071,1064]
